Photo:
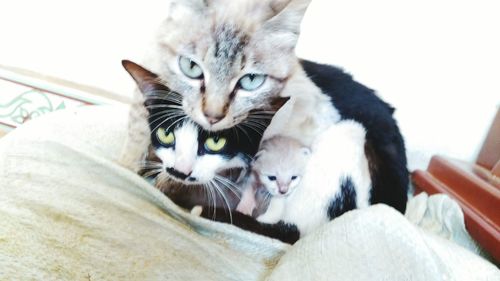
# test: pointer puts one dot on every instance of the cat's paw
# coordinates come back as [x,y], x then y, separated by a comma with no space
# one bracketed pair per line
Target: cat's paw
[197,210]
[246,208]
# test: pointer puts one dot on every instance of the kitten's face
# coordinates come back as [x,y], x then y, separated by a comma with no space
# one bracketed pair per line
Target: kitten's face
[225,57]
[280,165]
[188,153]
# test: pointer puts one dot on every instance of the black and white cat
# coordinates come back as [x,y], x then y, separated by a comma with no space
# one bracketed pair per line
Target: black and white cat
[192,163]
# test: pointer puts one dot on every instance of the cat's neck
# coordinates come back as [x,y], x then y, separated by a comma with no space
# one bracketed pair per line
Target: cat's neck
[308,112]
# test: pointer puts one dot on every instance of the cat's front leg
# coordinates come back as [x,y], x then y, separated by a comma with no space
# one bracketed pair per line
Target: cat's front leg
[274,212]
[247,203]
[286,232]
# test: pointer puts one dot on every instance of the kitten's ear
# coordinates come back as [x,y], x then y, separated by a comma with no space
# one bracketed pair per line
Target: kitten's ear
[285,24]
[259,153]
[146,80]
[277,103]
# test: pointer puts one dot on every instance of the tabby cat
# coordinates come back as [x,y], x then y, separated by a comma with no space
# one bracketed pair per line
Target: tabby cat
[227,58]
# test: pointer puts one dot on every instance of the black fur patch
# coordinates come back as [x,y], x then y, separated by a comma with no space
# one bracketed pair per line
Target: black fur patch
[285,232]
[385,147]
[344,201]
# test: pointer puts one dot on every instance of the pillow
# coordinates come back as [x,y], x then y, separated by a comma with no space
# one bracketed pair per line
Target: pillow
[71,207]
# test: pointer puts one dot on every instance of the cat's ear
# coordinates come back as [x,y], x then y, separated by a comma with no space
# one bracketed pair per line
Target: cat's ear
[285,24]
[182,9]
[146,80]
[193,4]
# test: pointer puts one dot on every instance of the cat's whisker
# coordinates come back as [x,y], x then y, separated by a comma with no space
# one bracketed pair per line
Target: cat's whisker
[149,164]
[261,116]
[252,128]
[240,127]
[152,172]
[169,117]
[266,112]
[161,182]
[236,133]
[168,112]
[224,198]
[173,123]
[207,195]
[168,106]
[228,184]
[165,95]
[177,121]
[213,196]
[144,161]
[259,125]
[161,94]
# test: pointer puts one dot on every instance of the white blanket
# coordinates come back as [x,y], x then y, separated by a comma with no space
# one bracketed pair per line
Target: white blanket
[71,209]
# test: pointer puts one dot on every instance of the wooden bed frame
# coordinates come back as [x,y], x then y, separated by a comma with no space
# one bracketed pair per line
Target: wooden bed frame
[475,186]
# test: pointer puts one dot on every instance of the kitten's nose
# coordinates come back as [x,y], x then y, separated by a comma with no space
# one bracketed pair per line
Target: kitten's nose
[212,119]
[282,188]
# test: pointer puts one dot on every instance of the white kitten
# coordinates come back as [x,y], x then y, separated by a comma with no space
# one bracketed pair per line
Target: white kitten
[278,168]
[335,180]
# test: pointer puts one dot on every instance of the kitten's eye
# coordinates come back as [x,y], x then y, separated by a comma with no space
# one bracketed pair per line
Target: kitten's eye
[252,81]
[294,178]
[271,178]
[190,68]
[164,137]
[215,144]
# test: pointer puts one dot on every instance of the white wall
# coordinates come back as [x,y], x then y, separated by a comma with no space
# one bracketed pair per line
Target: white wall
[436,61]
[82,41]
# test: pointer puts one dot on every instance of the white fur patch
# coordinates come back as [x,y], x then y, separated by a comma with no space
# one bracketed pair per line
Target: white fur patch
[184,158]
[186,148]
[337,152]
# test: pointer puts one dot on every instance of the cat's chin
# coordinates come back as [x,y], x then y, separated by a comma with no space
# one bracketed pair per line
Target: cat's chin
[219,126]
[225,123]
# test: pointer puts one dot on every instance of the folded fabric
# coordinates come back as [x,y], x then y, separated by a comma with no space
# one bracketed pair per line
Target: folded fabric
[72,208]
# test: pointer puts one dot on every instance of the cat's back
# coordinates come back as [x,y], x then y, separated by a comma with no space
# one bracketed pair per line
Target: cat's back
[384,146]
[347,94]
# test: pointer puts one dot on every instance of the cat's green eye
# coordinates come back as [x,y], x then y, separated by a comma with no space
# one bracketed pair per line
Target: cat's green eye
[190,68]
[215,144]
[165,137]
[252,81]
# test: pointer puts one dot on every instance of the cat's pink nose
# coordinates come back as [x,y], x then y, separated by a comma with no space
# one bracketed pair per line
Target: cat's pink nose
[212,119]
